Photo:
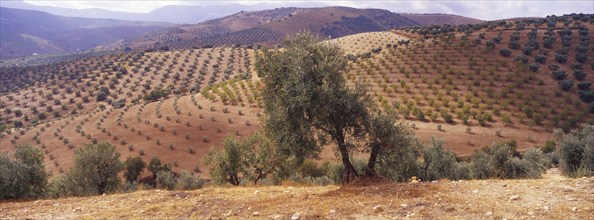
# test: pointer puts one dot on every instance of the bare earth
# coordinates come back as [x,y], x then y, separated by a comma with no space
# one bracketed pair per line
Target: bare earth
[552,197]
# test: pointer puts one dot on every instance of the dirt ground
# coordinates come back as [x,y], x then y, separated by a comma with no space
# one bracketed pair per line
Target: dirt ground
[551,197]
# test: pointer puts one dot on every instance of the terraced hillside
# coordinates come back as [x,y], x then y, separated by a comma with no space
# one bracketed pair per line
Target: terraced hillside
[471,88]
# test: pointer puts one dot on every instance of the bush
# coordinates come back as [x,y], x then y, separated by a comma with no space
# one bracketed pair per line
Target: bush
[579,74]
[540,58]
[537,161]
[559,75]
[23,175]
[505,52]
[250,158]
[165,180]
[584,86]
[576,150]
[480,167]
[133,168]
[566,85]
[155,166]
[437,162]
[187,181]
[533,67]
[95,172]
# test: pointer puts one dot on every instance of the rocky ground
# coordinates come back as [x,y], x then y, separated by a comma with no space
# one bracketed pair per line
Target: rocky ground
[551,197]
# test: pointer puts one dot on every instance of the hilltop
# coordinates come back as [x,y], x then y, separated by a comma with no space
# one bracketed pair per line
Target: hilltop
[552,197]
[270,27]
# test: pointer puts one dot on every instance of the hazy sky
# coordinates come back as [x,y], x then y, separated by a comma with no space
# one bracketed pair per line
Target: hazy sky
[490,9]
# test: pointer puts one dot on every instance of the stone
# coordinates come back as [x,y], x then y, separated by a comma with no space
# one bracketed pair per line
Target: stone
[403,205]
[332,211]
[296,216]
[514,198]
[378,208]
[256,192]
[546,208]
[574,209]
[475,191]
[488,214]
[255,213]
[277,217]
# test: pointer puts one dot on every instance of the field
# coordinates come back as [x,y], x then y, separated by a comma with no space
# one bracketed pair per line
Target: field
[177,104]
[553,197]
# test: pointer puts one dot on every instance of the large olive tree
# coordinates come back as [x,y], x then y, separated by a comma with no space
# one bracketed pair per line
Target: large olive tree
[307,101]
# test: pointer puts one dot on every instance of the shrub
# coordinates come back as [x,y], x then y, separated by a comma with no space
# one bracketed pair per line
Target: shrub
[566,85]
[95,172]
[480,167]
[155,166]
[576,150]
[537,161]
[579,74]
[23,175]
[505,52]
[437,162]
[559,75]
[250,158]
[165,180]
[549,147]
[133,168]
[309,168]
[540,58]
[187,181]
[584,86]
[561,58]
[533,67]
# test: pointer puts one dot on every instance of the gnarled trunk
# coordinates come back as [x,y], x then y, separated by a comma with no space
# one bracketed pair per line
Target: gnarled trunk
[349,173]
[370,169]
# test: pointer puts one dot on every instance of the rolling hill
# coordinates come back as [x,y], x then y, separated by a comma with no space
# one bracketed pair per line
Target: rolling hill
[269,27]
[470,85]
[24,32]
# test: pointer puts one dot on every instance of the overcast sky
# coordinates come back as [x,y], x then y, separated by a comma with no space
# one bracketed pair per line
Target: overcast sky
[488,10]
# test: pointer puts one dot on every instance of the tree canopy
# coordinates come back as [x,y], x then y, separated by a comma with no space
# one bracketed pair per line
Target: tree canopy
[308,102]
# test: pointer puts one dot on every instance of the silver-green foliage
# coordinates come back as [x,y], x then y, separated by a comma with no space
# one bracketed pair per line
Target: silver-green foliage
[252,158]
[22,175]
[95,172]
[576,151]
[165,180]
[187,181]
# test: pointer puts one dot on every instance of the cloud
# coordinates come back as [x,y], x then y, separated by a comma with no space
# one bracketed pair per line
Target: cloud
[487,9]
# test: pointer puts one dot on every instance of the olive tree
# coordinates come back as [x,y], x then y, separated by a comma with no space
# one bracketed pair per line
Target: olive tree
[134,167]
[22,175]
[306,96]
[252,158]
[95,172]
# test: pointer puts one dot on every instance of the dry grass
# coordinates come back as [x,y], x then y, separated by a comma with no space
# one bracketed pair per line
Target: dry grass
[553,197]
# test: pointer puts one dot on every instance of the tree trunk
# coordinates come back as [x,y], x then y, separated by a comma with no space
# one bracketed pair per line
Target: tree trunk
[370,169]
[349,173]
[233,180]
[260,175]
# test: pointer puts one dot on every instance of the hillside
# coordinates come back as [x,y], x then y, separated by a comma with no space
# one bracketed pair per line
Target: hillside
[440,19]
[552,197]
[269,27]
[25,32]
[177,104]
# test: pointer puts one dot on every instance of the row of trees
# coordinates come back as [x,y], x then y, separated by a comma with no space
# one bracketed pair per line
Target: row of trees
[96,171]
[308,104]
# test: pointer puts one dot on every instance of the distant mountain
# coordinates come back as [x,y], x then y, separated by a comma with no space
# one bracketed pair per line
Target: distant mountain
[24,32]
[270,26]
[440,19]
[181,14]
